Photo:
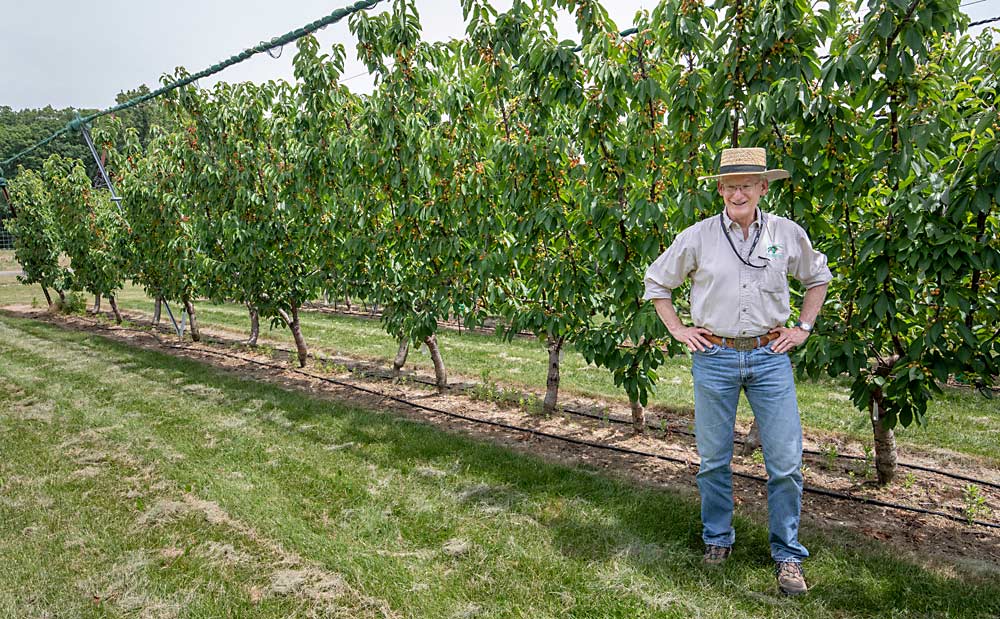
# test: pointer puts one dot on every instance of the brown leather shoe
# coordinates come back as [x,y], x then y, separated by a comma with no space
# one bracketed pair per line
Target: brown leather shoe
[791,579]
[715,555]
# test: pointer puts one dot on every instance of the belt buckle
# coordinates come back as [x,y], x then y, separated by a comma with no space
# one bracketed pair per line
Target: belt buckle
[744,344]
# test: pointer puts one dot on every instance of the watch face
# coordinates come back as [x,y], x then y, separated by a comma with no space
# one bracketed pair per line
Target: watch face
[806,326]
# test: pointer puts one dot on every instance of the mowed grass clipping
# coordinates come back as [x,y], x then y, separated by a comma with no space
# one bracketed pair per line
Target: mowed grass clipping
[961,419]
[133,483]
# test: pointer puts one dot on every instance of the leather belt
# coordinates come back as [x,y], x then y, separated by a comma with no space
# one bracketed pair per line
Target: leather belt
[742,343]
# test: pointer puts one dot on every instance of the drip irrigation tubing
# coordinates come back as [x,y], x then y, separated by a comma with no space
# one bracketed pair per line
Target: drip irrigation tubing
[576,413]
[739,441]
[620,421]
[601,446]
[575,441]
[811,452]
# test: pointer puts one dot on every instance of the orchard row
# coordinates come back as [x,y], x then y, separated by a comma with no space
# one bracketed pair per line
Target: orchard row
[509,175]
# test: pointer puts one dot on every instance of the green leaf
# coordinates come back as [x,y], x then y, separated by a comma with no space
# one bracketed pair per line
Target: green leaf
[935,331]
[882,306]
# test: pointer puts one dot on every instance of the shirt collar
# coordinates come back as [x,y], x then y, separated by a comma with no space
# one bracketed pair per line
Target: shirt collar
[730,223]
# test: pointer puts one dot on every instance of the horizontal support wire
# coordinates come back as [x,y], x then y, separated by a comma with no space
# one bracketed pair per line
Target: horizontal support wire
[264,46]
[985,21]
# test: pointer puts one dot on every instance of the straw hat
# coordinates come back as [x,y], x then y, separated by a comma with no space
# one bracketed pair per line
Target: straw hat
[736,161]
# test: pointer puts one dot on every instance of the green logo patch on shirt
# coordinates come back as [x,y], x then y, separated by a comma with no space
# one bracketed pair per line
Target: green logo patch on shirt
[775,251]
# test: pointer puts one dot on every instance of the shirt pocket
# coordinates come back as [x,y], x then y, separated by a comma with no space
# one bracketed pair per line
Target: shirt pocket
[775,276]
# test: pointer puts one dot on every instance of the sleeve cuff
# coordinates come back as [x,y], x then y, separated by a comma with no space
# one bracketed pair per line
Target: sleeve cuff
[656,291]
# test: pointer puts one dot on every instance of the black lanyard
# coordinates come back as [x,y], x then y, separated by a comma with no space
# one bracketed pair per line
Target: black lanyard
[756,238]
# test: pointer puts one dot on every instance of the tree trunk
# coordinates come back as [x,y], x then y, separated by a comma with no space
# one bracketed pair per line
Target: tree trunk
[254,325]
[97,304]
[48,297]
[401,354]
[189,307]
[552,381]
[440,374]
[347,302]
[638,416]
[751,442]
[885,438]
[114,308]
[62,297]
[885,442]
[296,328]
[157,308]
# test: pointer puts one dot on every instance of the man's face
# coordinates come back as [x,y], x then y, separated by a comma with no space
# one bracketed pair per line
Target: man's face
[741,194]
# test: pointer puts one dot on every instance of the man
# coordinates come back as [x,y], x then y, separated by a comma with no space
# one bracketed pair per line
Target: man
[739,262]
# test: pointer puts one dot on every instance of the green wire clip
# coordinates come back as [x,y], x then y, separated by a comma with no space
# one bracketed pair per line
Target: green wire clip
[75,124]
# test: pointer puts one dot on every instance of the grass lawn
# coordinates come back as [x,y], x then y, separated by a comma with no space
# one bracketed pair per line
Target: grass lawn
[139,484]
[961,420]
[7,261]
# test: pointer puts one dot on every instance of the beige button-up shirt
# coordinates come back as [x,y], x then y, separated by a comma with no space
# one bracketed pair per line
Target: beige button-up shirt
[729,298]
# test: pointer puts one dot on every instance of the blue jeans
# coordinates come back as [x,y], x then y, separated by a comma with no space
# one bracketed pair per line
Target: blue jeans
[719,374]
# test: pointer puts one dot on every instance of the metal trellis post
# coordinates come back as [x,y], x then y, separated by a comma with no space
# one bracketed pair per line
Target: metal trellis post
[100,166]
[178,328]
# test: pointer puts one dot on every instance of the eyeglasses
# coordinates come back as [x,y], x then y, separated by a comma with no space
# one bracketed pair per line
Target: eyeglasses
[742,187]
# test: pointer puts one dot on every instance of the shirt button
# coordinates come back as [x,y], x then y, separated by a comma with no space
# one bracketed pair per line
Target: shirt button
[744,309]
[744,285]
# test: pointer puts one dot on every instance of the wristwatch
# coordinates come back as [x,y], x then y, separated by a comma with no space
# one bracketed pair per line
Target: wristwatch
[805,326]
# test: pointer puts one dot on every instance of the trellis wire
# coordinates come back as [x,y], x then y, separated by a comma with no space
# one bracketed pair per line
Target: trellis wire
[265,46]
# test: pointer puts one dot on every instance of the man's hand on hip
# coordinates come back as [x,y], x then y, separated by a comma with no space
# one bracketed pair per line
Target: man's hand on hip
[692,337]
[788,338]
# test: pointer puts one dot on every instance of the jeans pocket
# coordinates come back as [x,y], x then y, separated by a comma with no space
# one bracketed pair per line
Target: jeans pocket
[711,350]
[767,349]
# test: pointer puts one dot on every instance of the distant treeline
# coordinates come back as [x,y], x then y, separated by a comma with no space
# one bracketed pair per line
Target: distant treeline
[24,128]
[21,129]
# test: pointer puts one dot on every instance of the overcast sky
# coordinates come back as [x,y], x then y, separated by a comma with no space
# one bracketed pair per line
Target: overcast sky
[82,54]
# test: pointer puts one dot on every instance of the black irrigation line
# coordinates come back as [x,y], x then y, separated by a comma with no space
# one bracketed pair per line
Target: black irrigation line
[812,452]
[574,441]
[738,440]
[539,433]
[617,420]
